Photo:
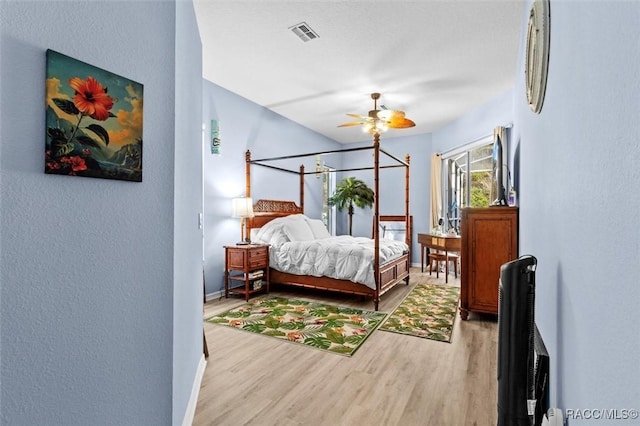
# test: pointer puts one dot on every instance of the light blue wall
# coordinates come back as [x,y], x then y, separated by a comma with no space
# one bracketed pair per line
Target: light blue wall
[392,183]
[87,265]
[392,195]
[476,124]
[187,236]
[579,201]
[244,126]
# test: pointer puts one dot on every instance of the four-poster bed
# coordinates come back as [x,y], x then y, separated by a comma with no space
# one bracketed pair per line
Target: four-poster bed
[387,270]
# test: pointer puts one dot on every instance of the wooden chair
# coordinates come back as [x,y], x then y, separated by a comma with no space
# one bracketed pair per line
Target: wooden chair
[437,257]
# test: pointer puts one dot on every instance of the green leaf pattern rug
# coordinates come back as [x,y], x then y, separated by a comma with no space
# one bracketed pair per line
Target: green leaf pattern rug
[332,328]
[428,311]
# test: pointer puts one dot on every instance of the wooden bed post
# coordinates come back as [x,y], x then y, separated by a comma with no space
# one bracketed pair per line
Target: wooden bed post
[376,215]
[247,174]
[302,187]
[408,236]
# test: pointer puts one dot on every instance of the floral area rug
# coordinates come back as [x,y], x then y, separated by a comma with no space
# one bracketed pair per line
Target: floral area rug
[335,329]
[428,311]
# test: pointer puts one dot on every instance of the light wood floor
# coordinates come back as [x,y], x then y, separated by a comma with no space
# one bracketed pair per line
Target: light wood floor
[392,379]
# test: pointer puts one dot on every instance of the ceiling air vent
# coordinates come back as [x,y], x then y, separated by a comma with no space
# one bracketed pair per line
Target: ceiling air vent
[303,31]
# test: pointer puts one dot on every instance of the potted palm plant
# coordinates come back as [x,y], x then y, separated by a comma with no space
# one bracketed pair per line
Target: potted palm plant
[350,192]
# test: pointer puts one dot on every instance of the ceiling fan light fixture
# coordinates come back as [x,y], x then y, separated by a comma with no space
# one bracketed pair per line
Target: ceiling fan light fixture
[379,121]
[381,126]
[375,126]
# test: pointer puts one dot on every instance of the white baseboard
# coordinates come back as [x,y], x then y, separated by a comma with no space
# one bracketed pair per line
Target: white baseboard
[195,391]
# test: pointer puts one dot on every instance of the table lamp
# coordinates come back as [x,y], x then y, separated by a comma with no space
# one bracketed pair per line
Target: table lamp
[242,208]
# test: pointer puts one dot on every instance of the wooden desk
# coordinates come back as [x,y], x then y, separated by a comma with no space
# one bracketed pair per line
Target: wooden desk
[445,243]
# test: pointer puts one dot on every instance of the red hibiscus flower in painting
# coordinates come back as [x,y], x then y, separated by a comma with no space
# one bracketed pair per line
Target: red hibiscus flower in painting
[77,164]
[71,146]
[91,98]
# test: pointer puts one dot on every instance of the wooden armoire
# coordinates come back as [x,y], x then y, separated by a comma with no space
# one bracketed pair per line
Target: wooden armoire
[489,239]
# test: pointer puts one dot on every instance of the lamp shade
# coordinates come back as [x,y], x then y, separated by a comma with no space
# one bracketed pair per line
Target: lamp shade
[242,207]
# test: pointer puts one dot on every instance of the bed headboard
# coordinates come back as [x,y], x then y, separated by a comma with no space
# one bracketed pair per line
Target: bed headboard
[402,222]
[266,210]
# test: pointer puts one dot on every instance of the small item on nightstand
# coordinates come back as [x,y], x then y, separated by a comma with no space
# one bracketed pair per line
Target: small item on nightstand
[242,208]
[256,274]
[257,284]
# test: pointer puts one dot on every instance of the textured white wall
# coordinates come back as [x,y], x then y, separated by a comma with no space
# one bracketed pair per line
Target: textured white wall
[86,265]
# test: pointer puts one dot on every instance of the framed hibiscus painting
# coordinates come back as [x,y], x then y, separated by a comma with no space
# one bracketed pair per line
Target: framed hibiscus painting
[93,121]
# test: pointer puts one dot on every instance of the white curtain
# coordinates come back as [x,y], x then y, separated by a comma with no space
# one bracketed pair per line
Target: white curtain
[436,190]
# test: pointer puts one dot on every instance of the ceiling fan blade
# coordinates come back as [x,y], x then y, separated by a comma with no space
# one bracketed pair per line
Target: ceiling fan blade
[352,123]
[404,123]
[358,116]
[390,115]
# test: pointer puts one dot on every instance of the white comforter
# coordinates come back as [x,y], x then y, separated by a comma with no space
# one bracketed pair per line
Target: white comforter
[302,246]
[342,257]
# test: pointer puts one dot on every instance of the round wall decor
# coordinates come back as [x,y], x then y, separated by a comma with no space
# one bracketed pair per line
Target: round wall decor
[537,54]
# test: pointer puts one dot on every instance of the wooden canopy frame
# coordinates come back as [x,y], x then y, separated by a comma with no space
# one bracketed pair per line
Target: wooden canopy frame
[386,275]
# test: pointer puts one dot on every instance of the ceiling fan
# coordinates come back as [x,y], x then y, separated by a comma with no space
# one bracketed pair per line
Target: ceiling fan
[379,120]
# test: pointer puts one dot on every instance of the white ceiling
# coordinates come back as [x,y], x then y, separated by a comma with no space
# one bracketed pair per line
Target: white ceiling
[434,59]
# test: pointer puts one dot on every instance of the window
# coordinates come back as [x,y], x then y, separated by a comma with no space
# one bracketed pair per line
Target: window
[467,179]
[328,188]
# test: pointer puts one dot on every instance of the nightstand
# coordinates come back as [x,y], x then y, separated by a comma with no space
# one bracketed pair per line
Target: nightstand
[246,264]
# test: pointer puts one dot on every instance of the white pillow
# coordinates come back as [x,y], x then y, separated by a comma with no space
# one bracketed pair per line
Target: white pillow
[278,237]
[272,233]
[297,229]
[265,232]
[253,234]
[318,229]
